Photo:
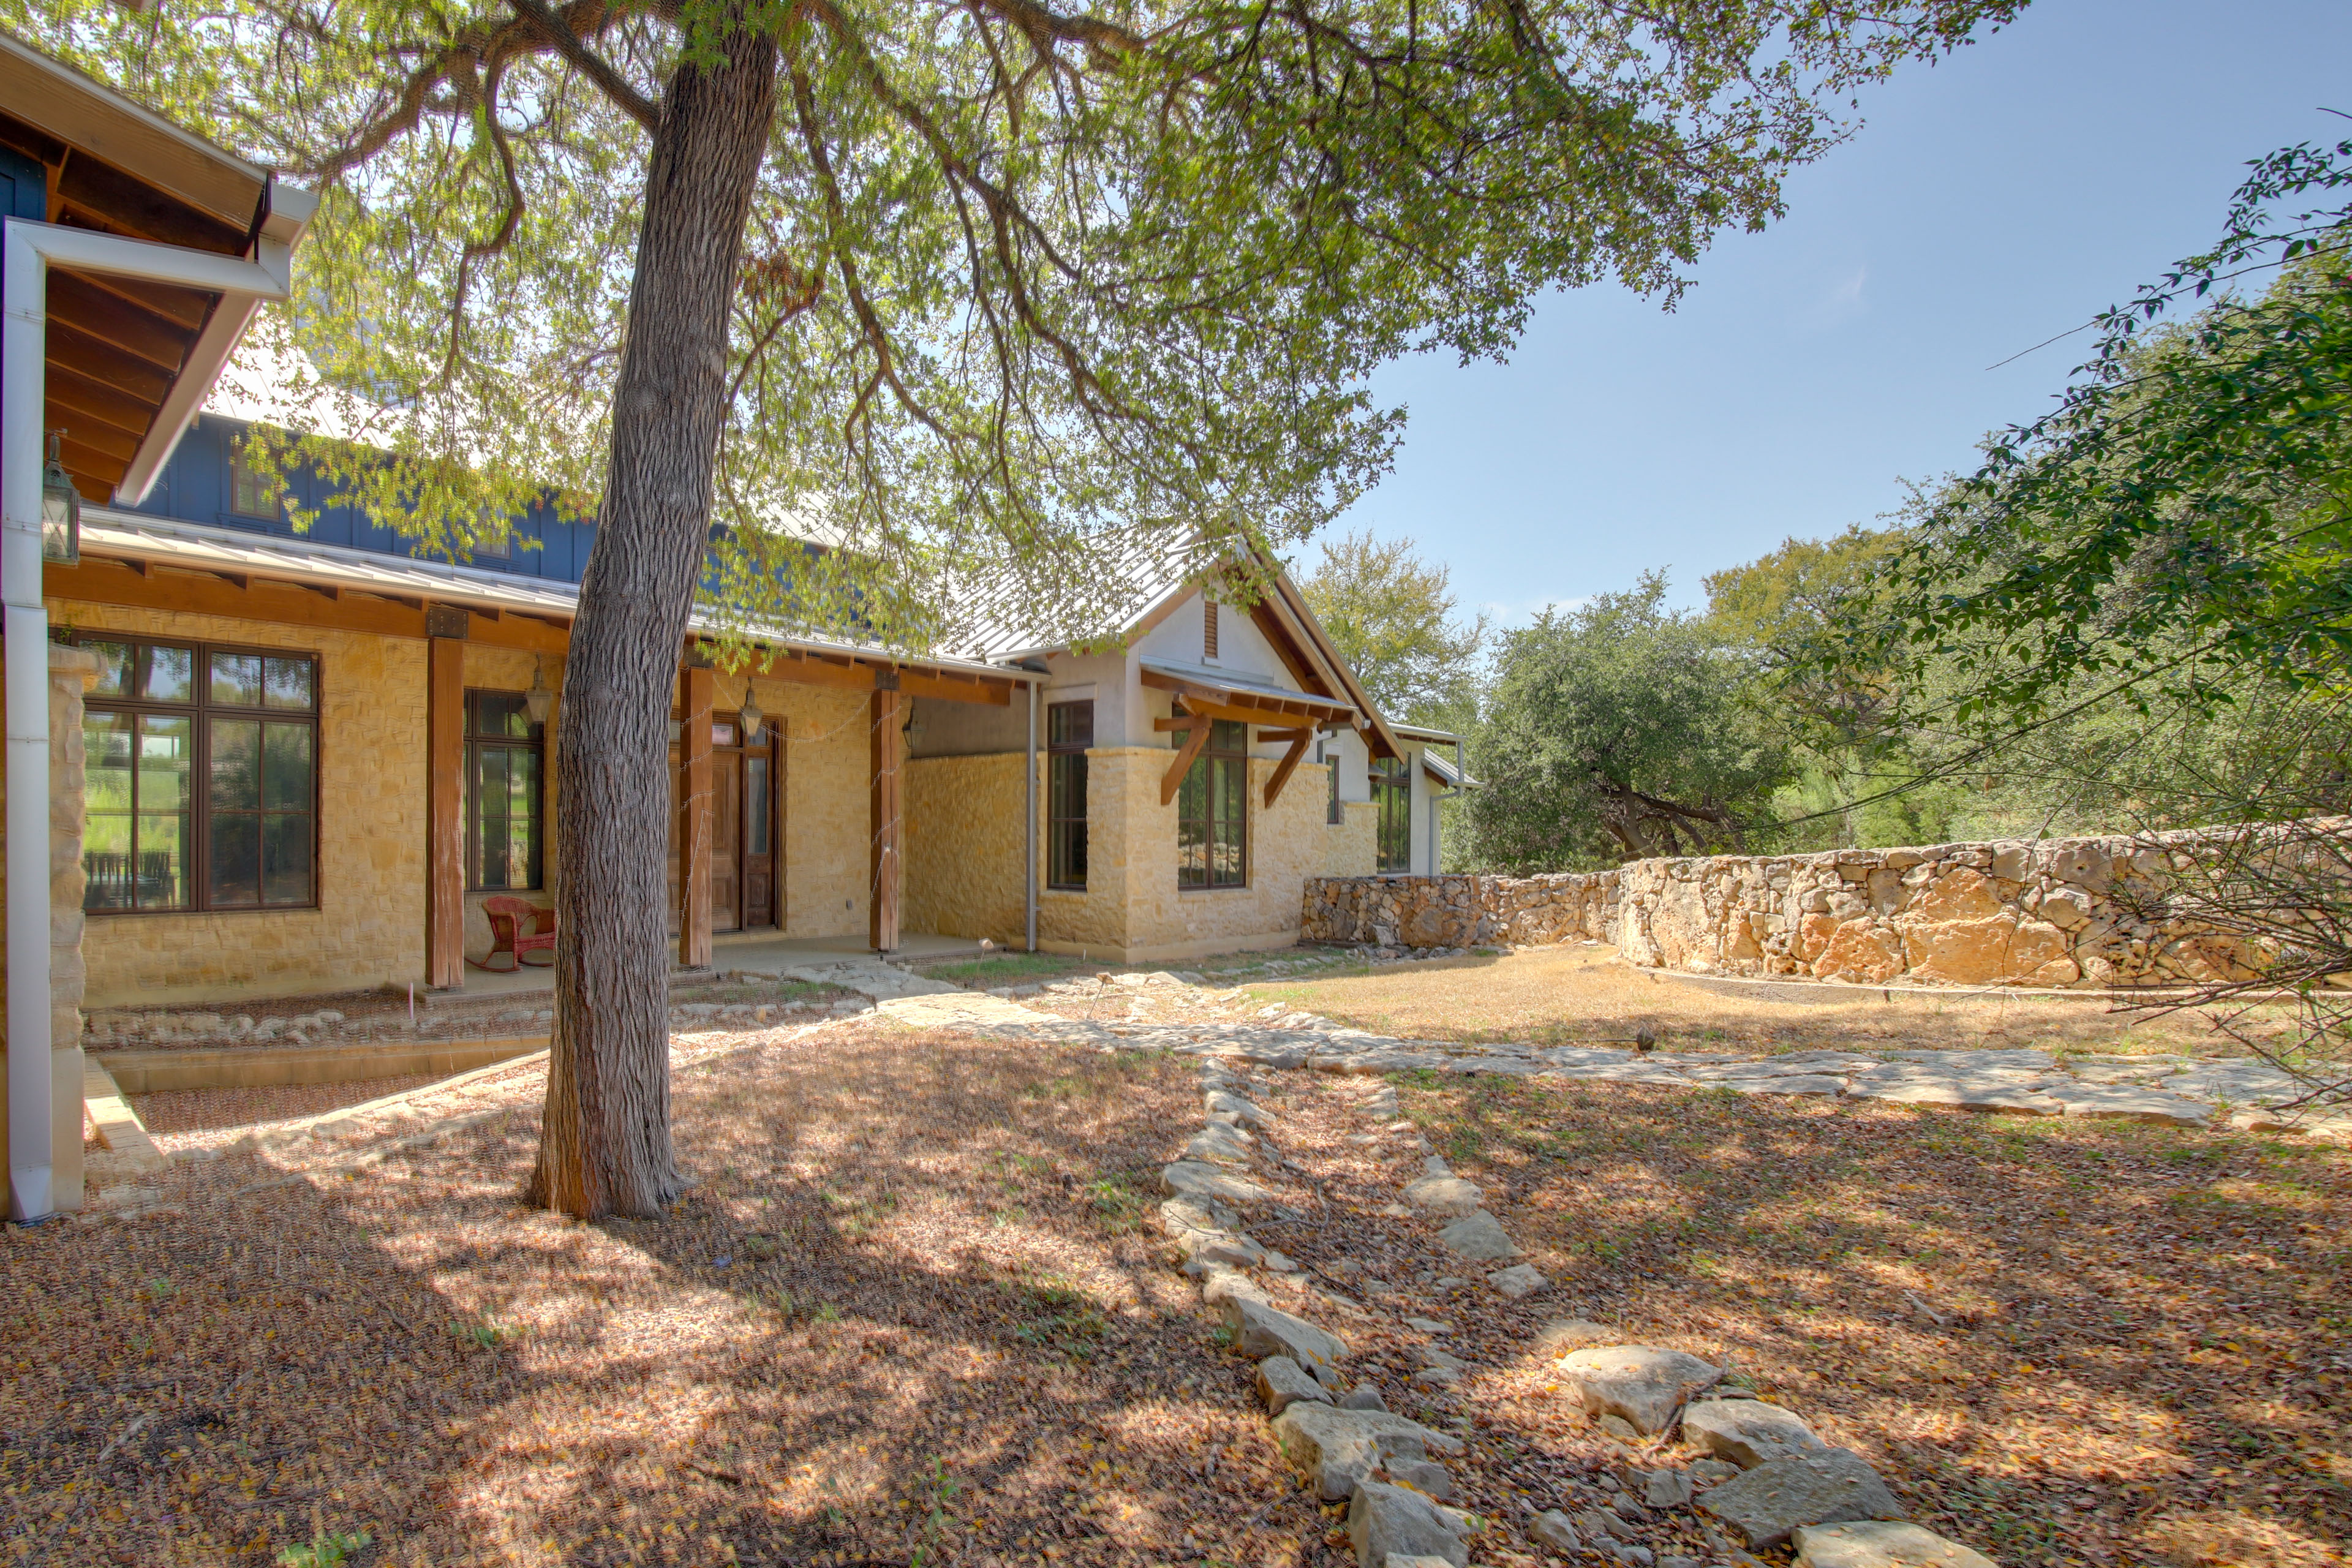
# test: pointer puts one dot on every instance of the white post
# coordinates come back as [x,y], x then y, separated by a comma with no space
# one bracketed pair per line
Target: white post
[1029,822]
[30,249]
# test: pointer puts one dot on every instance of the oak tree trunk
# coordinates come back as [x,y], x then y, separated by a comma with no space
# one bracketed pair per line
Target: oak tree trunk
[606,1146]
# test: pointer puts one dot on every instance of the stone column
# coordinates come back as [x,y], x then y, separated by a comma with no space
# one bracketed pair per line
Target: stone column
[71,671]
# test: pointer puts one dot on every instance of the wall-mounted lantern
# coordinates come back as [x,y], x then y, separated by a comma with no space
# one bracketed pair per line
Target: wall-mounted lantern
[60,509]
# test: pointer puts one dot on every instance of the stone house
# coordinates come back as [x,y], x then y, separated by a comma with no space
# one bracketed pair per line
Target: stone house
[304,761]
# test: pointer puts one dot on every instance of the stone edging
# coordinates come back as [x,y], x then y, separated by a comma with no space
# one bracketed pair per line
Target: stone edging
[1764,1476]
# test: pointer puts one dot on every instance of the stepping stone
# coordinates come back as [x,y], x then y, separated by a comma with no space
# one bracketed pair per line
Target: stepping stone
[1478,1235]
[1520,1280]
[1384,1519]
[2113,1102]
[1448,1197]
[2130,1070]
[1206,1251]
[1222,1284]
[1641,1384]
[1880,1543]
[1219,1143]
[1775,1498]
[1260,1330]
[1562,1335]
[1555,1530]
[1428,1325]
[1748,1432]
[1426,1476]
[1281,1383]
[1192,1179]
[2240,1082]
[1792,1083]
[1225,1106]
[1989,1091]
[1194,1216]
[1364,1396]
[1335,1449]
[2017,1060]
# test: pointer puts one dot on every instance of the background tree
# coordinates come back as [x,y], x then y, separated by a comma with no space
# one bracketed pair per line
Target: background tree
[1394,616]
[963,289]
[1615,729]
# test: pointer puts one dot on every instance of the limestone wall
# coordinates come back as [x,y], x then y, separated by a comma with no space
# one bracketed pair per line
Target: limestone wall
[827,826]
[2058,912]
[963,848]
[368,927]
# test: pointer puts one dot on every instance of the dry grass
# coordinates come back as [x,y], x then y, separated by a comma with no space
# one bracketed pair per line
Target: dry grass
[909,1311]
[208,1109]
[2143,1357]
[1571,995]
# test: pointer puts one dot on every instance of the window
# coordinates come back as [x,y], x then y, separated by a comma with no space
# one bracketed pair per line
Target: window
[203,778]
[1208,629]
[1211,811]
[1332,814]
[506,758]
[1069,731]
[253,492]
[1392,793]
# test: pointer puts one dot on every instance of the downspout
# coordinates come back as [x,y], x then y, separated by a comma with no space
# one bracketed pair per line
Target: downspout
[1029,825]
[30,248]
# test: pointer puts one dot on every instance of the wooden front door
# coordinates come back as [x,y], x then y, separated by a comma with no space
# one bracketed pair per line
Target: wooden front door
[760,901]
[746,872]
[726,840]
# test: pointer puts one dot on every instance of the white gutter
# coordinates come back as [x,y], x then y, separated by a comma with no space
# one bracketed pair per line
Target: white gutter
[31,249]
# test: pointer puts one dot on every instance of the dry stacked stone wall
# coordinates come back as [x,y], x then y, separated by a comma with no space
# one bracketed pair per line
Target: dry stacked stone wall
[2058,912]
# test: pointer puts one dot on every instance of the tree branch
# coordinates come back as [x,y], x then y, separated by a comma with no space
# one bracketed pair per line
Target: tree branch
[589,63]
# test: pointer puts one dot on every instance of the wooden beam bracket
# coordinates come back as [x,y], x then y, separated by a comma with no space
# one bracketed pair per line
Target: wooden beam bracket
[1299,740]
[1196,735]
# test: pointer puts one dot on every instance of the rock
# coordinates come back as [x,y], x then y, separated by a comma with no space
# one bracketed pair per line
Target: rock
[1219,1143]
[1553,1529]
[1748,1432]
[1382,1105]
[1880,1543]
[2239,1082]
[1480,1236]
[1667,1489]
[1428,1326]
[1221,1284]
[1192,1179]
[1448,1197]
[1281,1382]
[1364,1396]
[1562,1335]
[1617,1426]
[1520,1280]
[1260,1330]
[2115,1102]
[1707,1472]
[1337,1448]
[1384,1519]
[1206,1216]
[1639,1556]
[1680,1562]
[1426,1476]
[1225,1106]
[1279,1263]
[1780,1495]
[1437,1376]
[1399,1559]
[1639,1384]
[1210,1251]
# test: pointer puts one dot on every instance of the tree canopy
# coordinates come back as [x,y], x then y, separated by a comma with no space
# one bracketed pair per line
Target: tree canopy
[1395,617]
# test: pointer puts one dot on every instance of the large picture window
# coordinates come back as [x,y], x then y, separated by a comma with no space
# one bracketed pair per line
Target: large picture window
[506,764]
[1392,793]
[1212,811]
[1069,731]
[203,789]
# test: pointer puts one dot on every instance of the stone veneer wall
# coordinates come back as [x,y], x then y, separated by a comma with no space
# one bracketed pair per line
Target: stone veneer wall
[2059,912]
[963,848]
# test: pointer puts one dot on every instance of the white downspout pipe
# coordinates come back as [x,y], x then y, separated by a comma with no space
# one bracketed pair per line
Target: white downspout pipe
[31,249]
[1029,821]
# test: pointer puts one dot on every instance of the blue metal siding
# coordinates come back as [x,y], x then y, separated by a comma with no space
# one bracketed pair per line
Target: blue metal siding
[195,487]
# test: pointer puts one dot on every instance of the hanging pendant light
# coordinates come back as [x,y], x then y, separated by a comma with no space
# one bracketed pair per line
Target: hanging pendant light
[751,716]
[60,509]
[538,701]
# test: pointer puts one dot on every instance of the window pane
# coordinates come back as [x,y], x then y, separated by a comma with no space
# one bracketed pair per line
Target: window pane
[235,764]
[495,850]
[288,683]
[756,814]
[234,869]
[114,663]
[160,876]
[1070,725]
[286,857]
[490,781]
[106,860]
[237,679]
[285,770]
[167,674]
[106,751]
[165,756]
[522,783]
[1227,735]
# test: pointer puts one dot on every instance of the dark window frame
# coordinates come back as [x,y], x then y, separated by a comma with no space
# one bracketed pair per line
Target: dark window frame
[202,712]
[1391,780]
[1218,774]
[1333,815]
[1069,732]
[480,740]
[240,472]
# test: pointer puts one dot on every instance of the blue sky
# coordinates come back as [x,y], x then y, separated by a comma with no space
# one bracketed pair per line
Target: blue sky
[2002,196]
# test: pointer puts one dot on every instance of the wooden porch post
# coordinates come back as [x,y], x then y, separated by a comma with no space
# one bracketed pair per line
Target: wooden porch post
[445,831]
[694,876]
[884,814]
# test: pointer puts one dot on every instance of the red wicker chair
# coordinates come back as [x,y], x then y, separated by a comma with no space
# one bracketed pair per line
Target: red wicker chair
[517,926]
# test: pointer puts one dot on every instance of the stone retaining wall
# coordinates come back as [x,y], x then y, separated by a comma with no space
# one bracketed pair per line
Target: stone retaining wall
[2058,912]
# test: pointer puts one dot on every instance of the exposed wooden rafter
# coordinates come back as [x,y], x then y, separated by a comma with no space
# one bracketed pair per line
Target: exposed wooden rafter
[1299,741]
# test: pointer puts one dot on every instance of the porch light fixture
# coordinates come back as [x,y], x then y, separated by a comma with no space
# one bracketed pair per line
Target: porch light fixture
[751,716]
[538,702]
[60,509]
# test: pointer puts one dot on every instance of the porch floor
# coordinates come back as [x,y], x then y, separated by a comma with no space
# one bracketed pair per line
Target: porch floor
[755,953]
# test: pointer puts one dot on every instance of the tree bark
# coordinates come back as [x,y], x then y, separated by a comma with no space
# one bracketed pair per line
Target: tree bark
[606,1146]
